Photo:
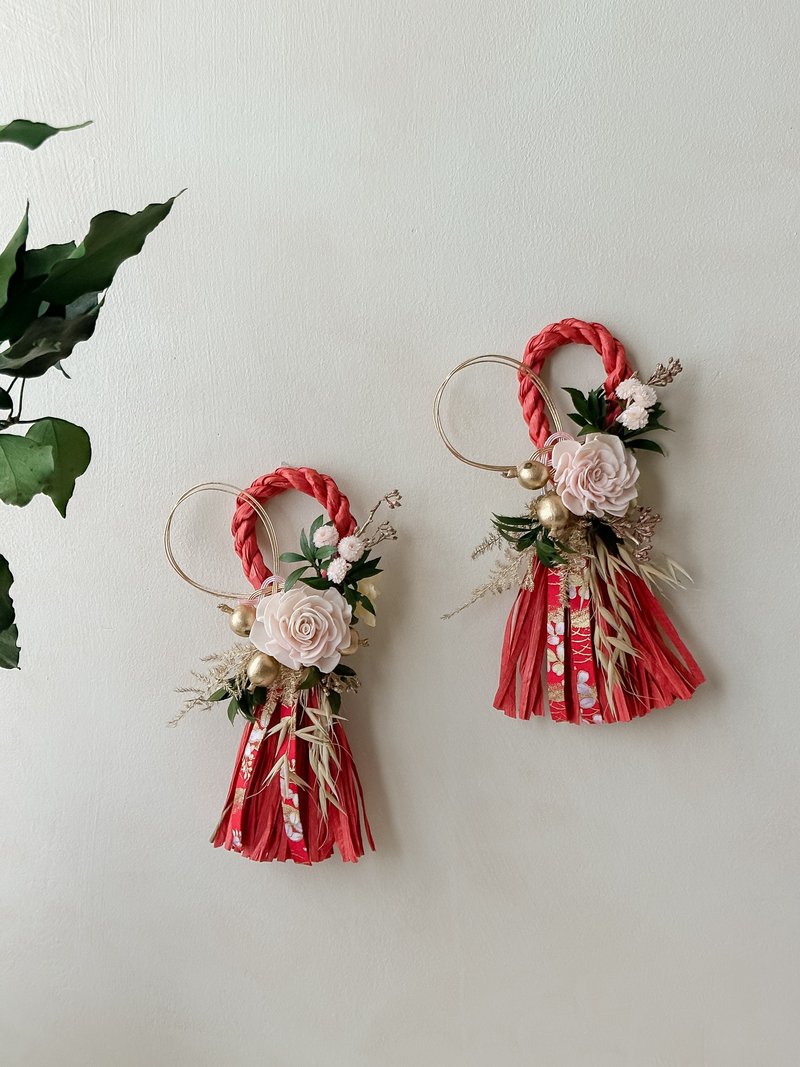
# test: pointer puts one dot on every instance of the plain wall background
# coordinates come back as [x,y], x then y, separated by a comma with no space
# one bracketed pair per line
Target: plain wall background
[376,192]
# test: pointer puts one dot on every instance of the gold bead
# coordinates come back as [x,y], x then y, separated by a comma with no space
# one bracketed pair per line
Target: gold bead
[262,670]
[241,619]
[552,512]
[533,475]
[355,641]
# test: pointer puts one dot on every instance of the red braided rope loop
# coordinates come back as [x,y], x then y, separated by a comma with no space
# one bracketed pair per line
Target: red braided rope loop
[245,521]
[568,332]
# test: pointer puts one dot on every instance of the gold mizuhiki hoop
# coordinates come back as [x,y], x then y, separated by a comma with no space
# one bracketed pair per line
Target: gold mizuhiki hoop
[240,494]
[532,474]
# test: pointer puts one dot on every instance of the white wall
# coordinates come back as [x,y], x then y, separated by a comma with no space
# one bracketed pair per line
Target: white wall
[375,192]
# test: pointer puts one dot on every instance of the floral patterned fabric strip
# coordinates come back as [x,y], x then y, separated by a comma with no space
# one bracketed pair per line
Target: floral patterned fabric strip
[571,668]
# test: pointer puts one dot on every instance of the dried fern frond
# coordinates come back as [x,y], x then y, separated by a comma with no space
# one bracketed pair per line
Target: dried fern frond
[512,569]
[228,669]
[493,540]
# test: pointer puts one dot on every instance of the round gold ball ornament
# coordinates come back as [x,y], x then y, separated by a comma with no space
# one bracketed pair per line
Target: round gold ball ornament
[533,475]
[262,670]
[552,512]
[241,619]
[352,647]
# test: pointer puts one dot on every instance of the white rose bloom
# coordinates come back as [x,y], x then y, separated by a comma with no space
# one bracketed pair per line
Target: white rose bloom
[326,535]
[644,395]
[625,390]
[634,417]
[337,570]
[351,548]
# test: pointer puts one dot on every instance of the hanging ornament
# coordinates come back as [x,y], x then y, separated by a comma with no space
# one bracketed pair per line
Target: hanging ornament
[295,791]
[587,638]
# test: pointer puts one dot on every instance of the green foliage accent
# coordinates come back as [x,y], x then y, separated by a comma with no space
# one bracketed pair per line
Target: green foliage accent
[313,562]
[72,452]
[34,134]
[10,256]
[113,237]
[311,679]
[45,343]
[49,302]
[591,409]
[26,467]
[523,532]
[9,649]
[648,446]
[335,701]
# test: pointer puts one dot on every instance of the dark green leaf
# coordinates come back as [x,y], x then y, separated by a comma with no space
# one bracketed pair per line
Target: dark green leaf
[233,709]
[6,403]
[305,547]
[219,694]
[9,649]
[37,262]
[26,467]
[33,134]
[45,343]
[526,540]
[292,557]
[315,525]
[325,552]
[335,701]
[113,237]
[512,520]
[317,583]
[344,672]
[293,578]
[580,401]
[12,255]
[648,446]
[366,603]
[72,453]
[311,678]
[368,570]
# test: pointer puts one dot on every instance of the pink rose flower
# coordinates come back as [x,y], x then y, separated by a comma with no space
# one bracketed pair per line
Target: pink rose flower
[596,476]
[303,628]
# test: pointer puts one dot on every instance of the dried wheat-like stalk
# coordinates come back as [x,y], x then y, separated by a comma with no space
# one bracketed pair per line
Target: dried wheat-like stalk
[612,645]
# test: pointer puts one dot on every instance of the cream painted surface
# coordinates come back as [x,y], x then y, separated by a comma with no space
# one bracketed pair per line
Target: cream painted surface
[375,192]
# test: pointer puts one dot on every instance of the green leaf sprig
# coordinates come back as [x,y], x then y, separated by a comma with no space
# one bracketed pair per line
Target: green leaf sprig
[591,416]
[313,570]
[524,532]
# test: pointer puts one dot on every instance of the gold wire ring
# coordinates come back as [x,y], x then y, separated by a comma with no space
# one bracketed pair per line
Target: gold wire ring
[221,487]
[506,469]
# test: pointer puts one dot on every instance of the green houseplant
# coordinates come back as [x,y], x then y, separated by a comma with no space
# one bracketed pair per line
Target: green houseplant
[50,299]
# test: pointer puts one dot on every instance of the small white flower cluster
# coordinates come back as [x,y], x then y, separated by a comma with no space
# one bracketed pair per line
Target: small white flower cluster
[639,399]
[350,550]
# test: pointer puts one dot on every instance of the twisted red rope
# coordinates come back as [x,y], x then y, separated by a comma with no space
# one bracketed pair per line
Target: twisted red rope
[568,332]
[319,486]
